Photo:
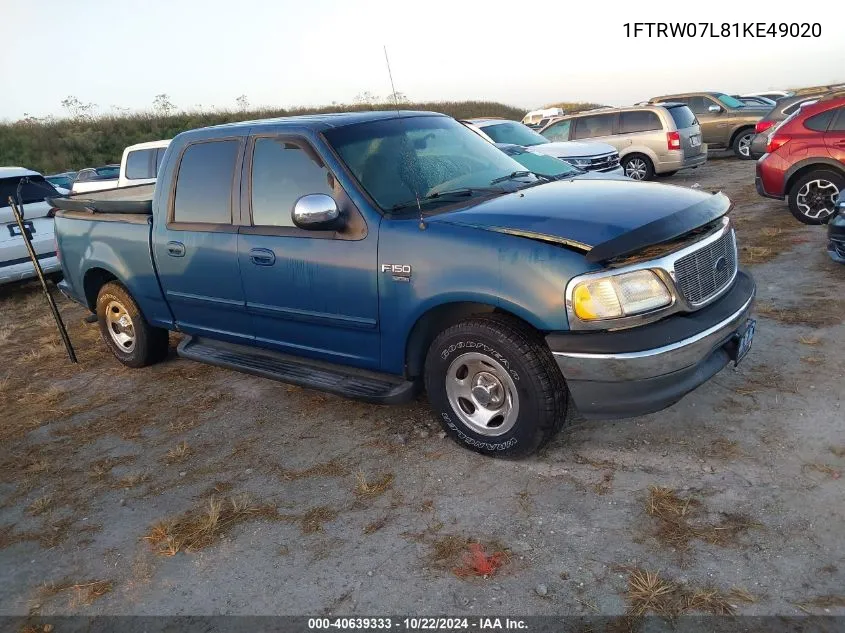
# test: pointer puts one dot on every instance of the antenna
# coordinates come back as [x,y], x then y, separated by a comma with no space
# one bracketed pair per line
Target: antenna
[398,116]
[390,74]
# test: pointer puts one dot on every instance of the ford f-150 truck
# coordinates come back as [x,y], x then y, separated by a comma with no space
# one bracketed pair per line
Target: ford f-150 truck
[369,254]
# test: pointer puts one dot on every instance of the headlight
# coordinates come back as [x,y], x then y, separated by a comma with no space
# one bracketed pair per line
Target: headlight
[577,162]
[616,296]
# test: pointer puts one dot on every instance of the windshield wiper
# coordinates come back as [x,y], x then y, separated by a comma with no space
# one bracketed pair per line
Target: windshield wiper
[451,193]
[516,174]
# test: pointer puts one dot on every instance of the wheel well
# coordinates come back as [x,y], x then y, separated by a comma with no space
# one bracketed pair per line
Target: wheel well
[433,322]
[95,279]
[642,154]
[807,169]
[739,131]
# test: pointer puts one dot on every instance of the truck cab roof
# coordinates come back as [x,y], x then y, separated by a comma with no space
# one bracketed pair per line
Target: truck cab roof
[316,122]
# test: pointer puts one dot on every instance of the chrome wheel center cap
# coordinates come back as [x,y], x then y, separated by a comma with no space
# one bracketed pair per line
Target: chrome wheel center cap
[488,390]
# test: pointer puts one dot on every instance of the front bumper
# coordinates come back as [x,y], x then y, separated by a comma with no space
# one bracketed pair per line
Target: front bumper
[642,370]
[836,238]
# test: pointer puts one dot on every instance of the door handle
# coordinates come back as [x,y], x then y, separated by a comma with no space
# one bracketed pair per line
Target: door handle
[262,257]
[176,249]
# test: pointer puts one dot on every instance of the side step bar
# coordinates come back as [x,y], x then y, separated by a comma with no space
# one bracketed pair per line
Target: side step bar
[350,382]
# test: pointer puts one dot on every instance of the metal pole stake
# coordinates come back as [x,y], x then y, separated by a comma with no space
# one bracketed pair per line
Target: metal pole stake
[53,308]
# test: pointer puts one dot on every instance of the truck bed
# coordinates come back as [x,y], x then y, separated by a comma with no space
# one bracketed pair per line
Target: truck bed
[126,200]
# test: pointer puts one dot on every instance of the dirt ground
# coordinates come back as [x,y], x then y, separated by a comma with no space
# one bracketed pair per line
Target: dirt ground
[187,489]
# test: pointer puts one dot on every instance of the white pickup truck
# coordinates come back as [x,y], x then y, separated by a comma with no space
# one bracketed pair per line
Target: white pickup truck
[138,166]
[15,263]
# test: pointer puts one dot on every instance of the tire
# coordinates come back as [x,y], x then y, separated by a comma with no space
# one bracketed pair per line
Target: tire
[638,167]
[667,174]
[131,339]
[741,145]
[813,196]
[508,361]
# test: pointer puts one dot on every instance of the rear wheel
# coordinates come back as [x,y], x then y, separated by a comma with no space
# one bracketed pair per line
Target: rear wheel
[742,144]
[813,197]
[638,167]
[495,387]
[131,339]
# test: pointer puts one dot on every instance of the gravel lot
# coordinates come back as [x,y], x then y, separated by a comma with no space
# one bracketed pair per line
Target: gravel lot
[186,489]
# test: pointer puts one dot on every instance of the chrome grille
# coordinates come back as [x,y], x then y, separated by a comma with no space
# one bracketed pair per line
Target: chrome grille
[604,163]
[703,273]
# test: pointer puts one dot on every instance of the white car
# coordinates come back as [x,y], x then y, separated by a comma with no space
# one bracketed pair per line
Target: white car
[139,166]
[15,263]
[589,156]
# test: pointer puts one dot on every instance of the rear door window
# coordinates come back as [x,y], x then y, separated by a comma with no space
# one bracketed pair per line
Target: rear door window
[594,126]
[839,123]
[34,191]
[283,172]
[821,121]
[204,183]
[639,121]
[140,164]
[683,117]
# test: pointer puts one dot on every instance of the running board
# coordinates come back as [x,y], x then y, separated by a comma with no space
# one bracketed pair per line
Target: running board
[341,380]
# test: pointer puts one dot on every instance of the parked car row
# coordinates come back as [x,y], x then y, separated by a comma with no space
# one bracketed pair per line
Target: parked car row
[139,166]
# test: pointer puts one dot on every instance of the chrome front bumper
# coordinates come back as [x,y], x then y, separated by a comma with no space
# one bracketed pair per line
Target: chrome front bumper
[612,384]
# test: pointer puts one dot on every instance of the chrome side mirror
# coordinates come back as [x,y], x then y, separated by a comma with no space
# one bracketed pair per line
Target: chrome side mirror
[316,212]
[714,109]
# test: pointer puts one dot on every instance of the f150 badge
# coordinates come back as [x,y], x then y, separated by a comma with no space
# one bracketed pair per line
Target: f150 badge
[400,272]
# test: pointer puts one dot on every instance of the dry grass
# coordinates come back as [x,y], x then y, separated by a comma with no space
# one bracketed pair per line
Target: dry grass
[467,557]
[376,525]
[722,448]
[839,451]
[810,312]
[825,469]
[648,592]
[812,360]
[682,520]
[40,505]
[328,469]
[740,594]
[85,593]
[809,340]
[823,602]
[368,490]
[200,528]
[709,601]
[313,520]
[178,453]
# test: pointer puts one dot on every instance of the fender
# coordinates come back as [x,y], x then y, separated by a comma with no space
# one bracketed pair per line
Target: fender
[808,162]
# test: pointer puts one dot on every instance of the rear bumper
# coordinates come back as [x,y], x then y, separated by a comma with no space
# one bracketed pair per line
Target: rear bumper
[695,161]
[25,270]
[761,190]
[642,370]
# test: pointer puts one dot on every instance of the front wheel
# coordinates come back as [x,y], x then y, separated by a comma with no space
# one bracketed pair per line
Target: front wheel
[638,167]
[742,144]
[495,387]
[131,339]
[813,197]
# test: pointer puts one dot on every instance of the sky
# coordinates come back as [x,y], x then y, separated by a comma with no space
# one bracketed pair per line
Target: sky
[205,53]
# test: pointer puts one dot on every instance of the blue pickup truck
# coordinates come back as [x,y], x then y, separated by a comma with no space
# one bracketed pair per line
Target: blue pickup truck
[371,254]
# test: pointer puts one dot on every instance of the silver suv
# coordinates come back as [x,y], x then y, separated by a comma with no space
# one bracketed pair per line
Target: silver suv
[652,140]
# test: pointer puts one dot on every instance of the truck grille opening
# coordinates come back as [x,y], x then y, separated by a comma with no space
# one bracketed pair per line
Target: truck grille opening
[704,273]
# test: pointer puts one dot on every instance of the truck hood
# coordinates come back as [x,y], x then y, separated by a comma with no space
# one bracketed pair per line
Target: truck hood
[571,149]
[605,218]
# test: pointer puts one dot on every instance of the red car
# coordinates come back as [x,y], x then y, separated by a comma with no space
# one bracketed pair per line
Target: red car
[805,160]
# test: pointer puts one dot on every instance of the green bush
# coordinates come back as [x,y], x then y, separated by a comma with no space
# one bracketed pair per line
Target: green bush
[71,144]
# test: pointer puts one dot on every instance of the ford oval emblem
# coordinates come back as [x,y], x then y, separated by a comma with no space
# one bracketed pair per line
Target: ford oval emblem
[720,264]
